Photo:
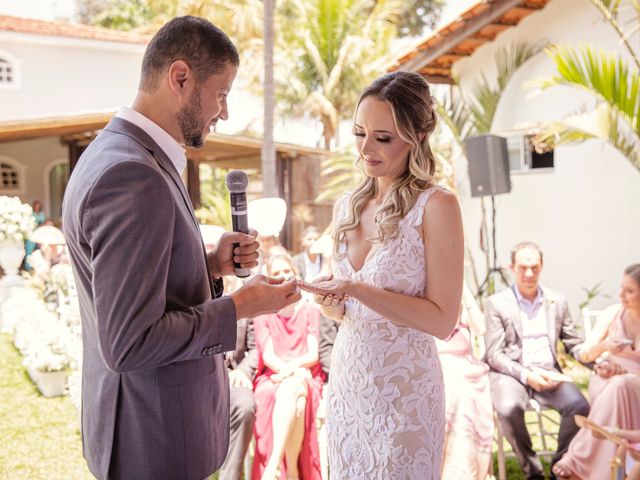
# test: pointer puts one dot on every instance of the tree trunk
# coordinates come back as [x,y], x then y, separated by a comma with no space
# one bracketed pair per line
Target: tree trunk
[269,184]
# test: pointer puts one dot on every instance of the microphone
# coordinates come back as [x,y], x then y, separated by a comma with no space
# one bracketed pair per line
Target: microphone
[237,183]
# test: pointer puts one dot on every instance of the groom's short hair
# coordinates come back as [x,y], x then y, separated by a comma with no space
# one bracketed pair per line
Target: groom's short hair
[196,41]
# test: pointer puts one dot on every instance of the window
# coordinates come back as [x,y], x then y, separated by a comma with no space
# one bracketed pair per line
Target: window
[9,71]
[9,177]
[6,72]
[523,158]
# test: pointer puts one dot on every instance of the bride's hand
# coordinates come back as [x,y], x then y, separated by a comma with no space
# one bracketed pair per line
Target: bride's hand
[328,291]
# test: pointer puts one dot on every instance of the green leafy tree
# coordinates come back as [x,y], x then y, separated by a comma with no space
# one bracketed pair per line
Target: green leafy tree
[215,202]
[329,50]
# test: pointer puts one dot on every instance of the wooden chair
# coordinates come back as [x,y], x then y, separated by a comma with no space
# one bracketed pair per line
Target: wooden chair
[548,438]
[618,470]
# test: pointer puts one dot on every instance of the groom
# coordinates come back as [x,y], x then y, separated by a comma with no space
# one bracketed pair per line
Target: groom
[155,391]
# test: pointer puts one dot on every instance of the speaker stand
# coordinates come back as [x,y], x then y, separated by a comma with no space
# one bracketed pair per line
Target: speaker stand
[488,285]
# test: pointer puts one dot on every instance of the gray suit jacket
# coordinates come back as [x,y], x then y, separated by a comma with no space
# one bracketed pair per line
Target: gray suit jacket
[503,338]
[155,393]
[245,356]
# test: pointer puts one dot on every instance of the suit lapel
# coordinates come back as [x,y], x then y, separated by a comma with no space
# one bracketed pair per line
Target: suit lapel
[515,312]
[125,127]
[550,314]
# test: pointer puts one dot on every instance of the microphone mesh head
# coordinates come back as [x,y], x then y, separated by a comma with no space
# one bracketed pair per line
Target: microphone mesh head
[237,181]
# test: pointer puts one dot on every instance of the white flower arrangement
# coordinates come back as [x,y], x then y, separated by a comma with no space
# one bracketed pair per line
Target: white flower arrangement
[42,338]
[16,219]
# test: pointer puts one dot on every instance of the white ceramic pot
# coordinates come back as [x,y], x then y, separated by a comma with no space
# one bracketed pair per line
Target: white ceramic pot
[11,255]
[50,384]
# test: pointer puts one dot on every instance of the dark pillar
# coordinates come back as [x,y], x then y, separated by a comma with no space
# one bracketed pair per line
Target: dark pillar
[283,174]
[76,148]
[193,182]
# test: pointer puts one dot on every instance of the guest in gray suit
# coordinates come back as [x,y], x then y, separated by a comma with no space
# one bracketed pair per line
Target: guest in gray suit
[524,324]
[155,390]
[242,365]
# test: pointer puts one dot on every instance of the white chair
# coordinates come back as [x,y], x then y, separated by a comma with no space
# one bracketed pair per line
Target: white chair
[589,318]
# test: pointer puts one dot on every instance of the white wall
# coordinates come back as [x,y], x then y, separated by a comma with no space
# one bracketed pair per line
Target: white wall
[585,213]
[61,76]
[35,156]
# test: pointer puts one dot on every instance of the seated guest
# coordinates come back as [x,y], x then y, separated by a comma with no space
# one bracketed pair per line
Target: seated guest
[288,388]
[309,265]
[614,390]
[469,412]
[241,366]
[524,324]
[627,456]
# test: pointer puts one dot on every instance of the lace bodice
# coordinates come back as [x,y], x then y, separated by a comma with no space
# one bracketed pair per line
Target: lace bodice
[386,397]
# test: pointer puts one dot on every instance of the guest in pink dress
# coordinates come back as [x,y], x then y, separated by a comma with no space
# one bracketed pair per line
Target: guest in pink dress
[468,409]
[614,392]
[288,388]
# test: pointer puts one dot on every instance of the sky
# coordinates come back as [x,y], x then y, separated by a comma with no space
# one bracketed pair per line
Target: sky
[42,9]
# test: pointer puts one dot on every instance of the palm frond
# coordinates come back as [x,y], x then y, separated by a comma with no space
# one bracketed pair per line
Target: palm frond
[455,114]
[485,97]
[511,59]
[603,74]
[339,175]
[483,105]
[609,10]
[602,123]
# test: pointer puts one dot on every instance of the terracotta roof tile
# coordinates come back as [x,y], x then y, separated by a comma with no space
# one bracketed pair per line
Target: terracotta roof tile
[69,30]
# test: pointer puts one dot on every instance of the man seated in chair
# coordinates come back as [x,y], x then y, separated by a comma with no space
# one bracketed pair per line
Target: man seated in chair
[241,365]
[524,324]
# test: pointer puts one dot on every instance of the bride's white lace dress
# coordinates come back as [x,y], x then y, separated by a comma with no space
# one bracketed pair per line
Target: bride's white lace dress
[386,395]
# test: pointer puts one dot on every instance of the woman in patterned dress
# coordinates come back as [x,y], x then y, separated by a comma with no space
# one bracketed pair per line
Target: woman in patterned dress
[396,284]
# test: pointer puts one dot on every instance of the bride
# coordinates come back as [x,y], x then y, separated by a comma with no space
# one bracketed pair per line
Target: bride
[397,283]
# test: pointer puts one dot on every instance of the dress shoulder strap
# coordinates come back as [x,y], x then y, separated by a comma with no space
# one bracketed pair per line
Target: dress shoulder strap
[417,212]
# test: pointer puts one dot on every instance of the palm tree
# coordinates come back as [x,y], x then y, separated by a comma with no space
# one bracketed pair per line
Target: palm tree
[325,54]
[612,80]
[331,49]
[268,159]
[473,114]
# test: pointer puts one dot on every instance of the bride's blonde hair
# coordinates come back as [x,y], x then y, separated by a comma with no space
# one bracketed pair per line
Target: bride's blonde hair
[411,103]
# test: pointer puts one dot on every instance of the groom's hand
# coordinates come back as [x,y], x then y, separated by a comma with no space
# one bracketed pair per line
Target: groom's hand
[262,295]
[222,257]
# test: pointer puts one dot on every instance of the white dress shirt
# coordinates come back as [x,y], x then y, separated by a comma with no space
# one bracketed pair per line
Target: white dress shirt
[312,269]
[166,142]
[536,349]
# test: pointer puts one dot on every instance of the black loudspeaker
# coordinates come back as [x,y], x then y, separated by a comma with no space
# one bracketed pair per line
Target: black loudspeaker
[488,165]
